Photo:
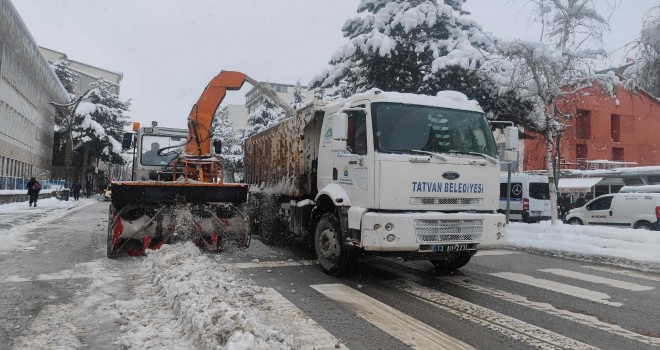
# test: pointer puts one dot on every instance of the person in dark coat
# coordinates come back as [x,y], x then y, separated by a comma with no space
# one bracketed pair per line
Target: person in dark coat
[564,205]
[580,201]
[88,188]
[33,187]
[77,187]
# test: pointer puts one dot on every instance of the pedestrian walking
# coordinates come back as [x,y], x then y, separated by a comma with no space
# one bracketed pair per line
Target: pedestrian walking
[564,205]
[88,188]
[580,201]
[33,187]
[77,187]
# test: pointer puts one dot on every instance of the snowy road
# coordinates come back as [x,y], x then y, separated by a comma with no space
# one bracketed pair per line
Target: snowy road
[57,290]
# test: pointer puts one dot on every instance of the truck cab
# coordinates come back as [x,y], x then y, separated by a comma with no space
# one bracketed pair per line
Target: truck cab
[156,149]
[380,173]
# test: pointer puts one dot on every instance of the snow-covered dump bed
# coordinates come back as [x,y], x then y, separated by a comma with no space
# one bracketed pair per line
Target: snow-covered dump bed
[283,156]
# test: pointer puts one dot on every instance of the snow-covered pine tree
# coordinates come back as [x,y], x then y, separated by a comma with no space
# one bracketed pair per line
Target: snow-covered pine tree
[265,115]
[557,67]
[298,97]
[418,46]
[232,152]
[67,77]
[99,123]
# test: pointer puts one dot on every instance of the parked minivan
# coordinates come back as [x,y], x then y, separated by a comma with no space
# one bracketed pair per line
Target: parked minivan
[636,210]
[530,197]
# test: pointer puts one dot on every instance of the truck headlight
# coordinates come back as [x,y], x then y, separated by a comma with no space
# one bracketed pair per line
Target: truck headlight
[389,226]
[390,238]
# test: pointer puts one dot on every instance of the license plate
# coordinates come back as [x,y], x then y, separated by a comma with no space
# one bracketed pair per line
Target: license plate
[450,248]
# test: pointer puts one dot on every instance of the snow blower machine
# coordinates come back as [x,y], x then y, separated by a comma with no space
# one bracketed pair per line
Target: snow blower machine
[176,190]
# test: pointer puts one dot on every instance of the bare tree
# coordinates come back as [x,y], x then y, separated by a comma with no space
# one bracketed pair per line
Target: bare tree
[555,67]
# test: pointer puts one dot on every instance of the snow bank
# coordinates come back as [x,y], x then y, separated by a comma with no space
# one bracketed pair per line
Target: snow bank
[211,306]
[18,219]
[621,246]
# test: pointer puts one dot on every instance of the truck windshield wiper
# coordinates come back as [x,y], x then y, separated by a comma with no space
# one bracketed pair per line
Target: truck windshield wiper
[485,156]
[434,154]
[417,151]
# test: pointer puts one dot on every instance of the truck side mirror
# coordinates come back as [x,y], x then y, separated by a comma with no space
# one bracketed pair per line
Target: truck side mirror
[127,141]
[340,126]
[217,146]
[338,145]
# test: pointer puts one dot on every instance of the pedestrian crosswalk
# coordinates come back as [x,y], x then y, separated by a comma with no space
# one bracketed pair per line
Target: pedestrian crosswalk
[602,285]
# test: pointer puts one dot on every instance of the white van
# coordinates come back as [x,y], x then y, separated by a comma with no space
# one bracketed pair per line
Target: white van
[530,197]
[636,210]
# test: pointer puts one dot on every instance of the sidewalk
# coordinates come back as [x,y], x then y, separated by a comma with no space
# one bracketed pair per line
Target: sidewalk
[18,219]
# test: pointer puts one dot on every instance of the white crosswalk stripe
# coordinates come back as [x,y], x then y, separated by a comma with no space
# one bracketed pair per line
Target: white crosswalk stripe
[524,332]
[579,318]
[409,330]
[307,333]
[496,252]
[624,272]
[597,279]
[557,287]
[272,264]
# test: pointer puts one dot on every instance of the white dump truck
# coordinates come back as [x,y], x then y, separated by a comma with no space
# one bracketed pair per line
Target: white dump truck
[383,173]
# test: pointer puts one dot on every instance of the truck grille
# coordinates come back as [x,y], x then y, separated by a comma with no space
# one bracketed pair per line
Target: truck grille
[448,230]
[444,201]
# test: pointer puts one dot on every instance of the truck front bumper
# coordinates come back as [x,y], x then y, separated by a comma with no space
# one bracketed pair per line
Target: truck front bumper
[430,231]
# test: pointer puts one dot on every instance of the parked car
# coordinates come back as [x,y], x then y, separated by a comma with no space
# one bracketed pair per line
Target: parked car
[530,197]
[636,210]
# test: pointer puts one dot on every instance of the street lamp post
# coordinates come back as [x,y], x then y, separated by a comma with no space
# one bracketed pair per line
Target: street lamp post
[68,111]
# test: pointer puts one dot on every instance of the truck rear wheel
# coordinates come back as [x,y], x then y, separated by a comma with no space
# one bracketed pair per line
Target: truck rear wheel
[335,257]
[270,229]
[452,262]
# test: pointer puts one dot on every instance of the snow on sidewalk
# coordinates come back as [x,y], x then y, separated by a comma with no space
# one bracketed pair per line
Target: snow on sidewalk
[621,246]
[18,219]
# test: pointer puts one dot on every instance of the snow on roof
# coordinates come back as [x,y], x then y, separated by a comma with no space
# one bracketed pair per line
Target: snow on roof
[444,99]
[640,189]
[577,184]
[640,170]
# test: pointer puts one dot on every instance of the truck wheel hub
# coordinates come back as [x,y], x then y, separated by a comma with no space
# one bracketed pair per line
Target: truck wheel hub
[328,244]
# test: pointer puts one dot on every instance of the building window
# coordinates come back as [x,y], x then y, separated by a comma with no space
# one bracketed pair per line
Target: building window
[617,154]
[583,124]
[581,155]
[616,128]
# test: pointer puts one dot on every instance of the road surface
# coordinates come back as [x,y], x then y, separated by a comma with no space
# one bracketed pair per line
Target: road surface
[58,289]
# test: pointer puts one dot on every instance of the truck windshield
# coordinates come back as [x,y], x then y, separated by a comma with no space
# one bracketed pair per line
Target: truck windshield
[151,144]
[403,128]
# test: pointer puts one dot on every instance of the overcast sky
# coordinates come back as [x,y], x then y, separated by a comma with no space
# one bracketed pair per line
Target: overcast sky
[168,50]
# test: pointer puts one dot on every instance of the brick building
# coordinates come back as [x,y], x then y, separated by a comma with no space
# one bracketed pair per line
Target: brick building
[605,130]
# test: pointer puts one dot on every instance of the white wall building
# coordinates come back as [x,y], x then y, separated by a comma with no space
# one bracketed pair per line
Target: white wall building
[27,86]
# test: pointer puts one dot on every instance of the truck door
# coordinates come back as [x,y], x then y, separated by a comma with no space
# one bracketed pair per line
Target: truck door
[354,167]
[598,211]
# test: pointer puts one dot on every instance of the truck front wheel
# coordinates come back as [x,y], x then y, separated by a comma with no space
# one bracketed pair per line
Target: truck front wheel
[335,257]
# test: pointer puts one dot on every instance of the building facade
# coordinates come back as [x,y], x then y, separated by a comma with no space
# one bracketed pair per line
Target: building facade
[606,131]
[254,97]
[27,85]
[88,73]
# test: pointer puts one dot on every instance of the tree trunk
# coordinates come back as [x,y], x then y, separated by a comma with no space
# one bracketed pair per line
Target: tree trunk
[551,174]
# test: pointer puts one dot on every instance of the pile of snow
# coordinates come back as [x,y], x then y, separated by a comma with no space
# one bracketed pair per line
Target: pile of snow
[621,246]
[204,300]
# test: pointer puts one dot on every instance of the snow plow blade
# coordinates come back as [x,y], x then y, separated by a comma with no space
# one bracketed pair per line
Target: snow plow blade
[140,192]
[146,215]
